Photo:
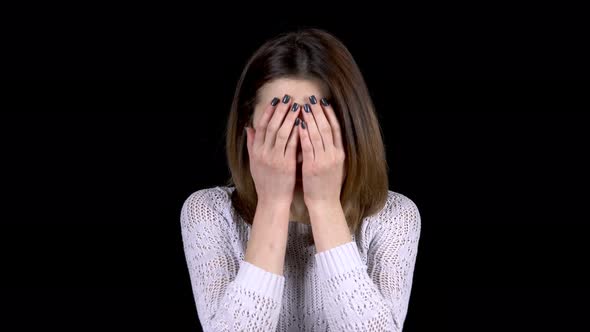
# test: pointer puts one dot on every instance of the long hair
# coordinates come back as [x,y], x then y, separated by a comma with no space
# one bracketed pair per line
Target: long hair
[313,54]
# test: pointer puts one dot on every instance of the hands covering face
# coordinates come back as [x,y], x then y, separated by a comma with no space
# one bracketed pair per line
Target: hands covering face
[272,148]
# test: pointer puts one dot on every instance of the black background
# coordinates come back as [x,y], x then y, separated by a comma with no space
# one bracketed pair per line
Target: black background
[95,172]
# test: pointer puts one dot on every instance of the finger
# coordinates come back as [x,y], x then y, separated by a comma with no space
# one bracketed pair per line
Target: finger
[313,130]
[287,127]
[260,127]
[291,150]
[333,119]
[323,125]
[275,122]
[307,149]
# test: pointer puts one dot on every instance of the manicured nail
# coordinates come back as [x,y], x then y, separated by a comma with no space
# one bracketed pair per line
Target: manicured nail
[307,108]
[274,101]
[286,99]
[325,101]
[313,100]
[303,124]
[295,107]
[297,121]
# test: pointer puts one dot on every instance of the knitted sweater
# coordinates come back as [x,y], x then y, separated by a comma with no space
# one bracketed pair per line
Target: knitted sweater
[362,285]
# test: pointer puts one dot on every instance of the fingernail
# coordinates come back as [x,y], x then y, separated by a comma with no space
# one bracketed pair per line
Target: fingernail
[325,101]
[303,124]
[313,100]
[297,121]
[285,99]
[295,107]
[307,108]
[274,101]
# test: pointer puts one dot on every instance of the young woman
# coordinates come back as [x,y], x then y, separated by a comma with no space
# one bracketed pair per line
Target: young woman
[305,235]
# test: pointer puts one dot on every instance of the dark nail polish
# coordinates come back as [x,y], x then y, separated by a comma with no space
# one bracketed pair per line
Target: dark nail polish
[307,108]
[297,121]
[303,124]
[325,101]
[286,99]
[295,107]
[274,101]
[313,100]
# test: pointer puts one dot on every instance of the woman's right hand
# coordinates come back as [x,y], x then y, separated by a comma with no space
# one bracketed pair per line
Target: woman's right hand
[272,149]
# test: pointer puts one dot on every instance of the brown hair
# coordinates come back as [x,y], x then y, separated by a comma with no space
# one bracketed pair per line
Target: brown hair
[313,54]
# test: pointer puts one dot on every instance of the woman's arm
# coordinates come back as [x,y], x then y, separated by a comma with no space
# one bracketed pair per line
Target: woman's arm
[230,294]
[376,298]
[268,237]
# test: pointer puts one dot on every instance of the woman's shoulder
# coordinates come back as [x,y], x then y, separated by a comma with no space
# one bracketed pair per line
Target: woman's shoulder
[399,212]
[216,197]
[203,204]
[399,203]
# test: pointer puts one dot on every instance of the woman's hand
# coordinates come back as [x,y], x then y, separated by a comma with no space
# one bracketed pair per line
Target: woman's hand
[272,147]
[323,154]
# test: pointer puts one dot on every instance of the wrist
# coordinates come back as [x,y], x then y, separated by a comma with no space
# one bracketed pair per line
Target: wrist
[322,205]
[278,204]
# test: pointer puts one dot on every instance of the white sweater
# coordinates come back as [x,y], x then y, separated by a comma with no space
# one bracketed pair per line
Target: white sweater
[363,285]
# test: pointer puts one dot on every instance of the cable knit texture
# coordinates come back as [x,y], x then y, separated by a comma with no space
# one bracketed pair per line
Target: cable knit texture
[363,285]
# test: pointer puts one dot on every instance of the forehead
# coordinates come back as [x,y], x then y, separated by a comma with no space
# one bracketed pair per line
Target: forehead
[298,88]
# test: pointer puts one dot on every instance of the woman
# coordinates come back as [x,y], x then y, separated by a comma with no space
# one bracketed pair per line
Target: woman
[305,235]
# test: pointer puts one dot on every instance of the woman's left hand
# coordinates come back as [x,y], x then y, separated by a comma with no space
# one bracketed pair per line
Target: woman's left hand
[323,166]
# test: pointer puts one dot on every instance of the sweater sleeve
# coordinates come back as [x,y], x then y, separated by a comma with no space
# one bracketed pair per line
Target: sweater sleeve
[230,294]
[373,298]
